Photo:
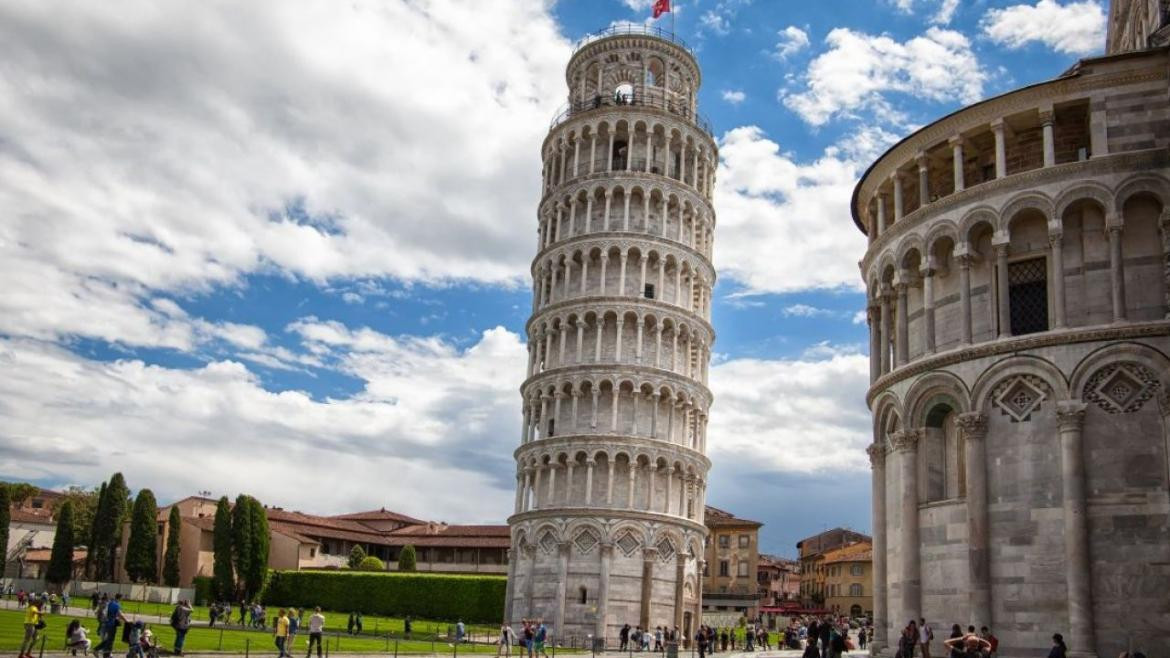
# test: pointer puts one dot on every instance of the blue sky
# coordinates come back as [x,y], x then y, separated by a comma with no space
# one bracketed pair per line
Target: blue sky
[283,248]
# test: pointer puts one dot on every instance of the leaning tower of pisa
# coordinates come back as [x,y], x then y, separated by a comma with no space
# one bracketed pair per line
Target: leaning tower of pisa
[611,469]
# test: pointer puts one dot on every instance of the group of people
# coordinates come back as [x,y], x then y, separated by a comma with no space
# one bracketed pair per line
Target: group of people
[639,639]
[531,640]
[46,601]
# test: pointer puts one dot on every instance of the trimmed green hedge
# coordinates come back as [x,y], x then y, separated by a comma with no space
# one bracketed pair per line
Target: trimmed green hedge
[474,599]
[203,585]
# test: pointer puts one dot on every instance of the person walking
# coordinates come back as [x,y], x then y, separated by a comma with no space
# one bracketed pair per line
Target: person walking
[701,640]
[33,623]
[986,634]
[349,625]
[109,625]
[925,635]
[294,623]
[1059,649]
[181,622]
[316,629]
[624,637]
[460,631]
[280,633]
[506,638]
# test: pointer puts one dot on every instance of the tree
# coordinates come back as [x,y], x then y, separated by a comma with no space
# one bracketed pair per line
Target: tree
[224,576]
[61,559]
[370,563]
[18,492]
[142,548]
[406,559]
[171,557]
[5,520]
[242,537]
[107,534]
[84,507]
[257,572]
[99,509]
[356,556]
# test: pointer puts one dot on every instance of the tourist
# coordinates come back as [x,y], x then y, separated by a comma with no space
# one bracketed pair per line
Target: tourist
[506,639]
[539,638]
[181,622]
[110,618]
[967,645]
[810,650]
[77,637]
[357,622]
[349,625]
[294,622]
[908,641]
[280,632]
[529,637]
[711,638]
[925,635]
[723,639]
[992,640]
[316,628]
[33,622]
[1059,649]
[624,637]
[658,639]
[825,629]
[460,631]
[957,649]
[212,615]
[701,640]
[134,639]
[749,639]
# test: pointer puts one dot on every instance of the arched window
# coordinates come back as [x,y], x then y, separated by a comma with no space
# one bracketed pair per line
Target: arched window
[941,458]
[1027,273]
[582,596]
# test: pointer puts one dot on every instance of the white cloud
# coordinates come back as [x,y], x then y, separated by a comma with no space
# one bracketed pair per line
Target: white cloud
[735,97]
[785,225]
[859,72]
[946,11]
[792,40]
[175,147]
[794,416]
[715,22]
[429,416]
[806,311]
[1075,28]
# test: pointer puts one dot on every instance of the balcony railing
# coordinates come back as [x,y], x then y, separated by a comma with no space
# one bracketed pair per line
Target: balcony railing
[656,101]
[632,29]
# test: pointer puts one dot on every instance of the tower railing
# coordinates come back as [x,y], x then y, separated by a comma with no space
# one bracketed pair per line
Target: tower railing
[632,29]
[660,102]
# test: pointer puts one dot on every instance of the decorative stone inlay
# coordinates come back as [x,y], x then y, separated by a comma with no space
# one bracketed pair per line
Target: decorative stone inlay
[1164,401]
[628,543]
[1020,396]
[548,543]
[1120,388]
[973,425]
[665,549]
[585,541]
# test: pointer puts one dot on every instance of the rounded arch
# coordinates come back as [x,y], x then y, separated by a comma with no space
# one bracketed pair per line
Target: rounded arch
[1079,192]
[1154,185]
[1024,201]
[929,388]
[974,219]
[1119,352]
[1015,366]
[887,411]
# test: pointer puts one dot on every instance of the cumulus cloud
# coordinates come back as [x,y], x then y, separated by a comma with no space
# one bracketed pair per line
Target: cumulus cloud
[784,225]
[944,10]
[1075,28]
[806,311]
[170,146]
[792,416]
[861,71]
[735,97]
[792,40]
[429,416]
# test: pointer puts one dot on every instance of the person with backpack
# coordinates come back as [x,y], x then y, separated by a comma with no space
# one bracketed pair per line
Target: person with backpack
[181,622]
[110,619]
[33,622]
[925,635]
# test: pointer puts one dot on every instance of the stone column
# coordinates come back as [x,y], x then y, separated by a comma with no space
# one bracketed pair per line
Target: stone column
[906,445]
[562,575]
[928,304]
[956,143]
[603,591]
[998,127]
[622,275]
[589,464]
[1116,268]
[1001,286]
[902,344]
[530,586]
[880,224]
[923,180]
[609,484]
[881,612]
[1078,567]
[516,509]
[669,489]
[884,329]
[617,394]
[1165,225]
[898,204]
[873,319]
[649,555]
[626,213]
[973,426]
[580,339]
[604,264]
[680,572]
[617,347]
[605,219]
[510,588]
[589,213]
[633,482]
[1056,273]
[964,261]
[1046,119]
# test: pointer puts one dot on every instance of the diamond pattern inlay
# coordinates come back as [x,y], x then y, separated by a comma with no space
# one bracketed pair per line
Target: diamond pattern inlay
[585,541]
[1120,388]
[1018,398]
[548,543]
[628,543]
[665,549]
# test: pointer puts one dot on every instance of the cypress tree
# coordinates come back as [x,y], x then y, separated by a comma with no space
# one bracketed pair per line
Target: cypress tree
[242,539]
[407,559]
[225,580]
[257,572]
[171,558]
[5,520]
[142,548]
[99,510]
[61,559]
[108,527]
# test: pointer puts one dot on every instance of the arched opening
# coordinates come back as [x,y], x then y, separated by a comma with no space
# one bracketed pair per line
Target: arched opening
[623,94]
[855,610]
[941,458]
[1027,273]
[582,596]
[1141,250]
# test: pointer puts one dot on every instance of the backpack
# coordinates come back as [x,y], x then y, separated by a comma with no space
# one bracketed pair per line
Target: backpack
[175,618]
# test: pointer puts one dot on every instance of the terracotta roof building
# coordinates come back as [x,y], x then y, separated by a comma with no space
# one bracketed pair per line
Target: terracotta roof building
[732,561]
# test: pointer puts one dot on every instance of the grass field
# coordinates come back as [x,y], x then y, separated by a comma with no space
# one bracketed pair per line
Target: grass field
[201,639]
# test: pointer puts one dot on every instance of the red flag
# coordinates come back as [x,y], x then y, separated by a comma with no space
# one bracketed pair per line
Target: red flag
[661,7]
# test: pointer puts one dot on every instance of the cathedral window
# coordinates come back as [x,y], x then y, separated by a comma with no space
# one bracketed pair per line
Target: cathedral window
[1028,293]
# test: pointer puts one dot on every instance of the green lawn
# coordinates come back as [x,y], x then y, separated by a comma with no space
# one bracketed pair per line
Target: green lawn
[229,640]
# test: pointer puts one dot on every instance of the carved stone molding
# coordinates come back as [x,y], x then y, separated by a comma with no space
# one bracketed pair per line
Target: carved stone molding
[877,454]
[1119,388]
[973,425]
[905,441]
[1021,396]
[1070,414]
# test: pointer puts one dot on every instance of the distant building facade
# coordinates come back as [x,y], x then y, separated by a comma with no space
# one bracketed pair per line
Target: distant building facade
[848,579]
[812,562]
[730,580]
[778,579]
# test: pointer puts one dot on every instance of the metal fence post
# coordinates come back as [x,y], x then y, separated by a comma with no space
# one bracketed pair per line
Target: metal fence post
[247,646]
[220,639]
[42,652]
[395,648]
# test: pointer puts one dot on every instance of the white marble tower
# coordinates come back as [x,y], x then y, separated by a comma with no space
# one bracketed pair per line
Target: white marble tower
[611,473]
